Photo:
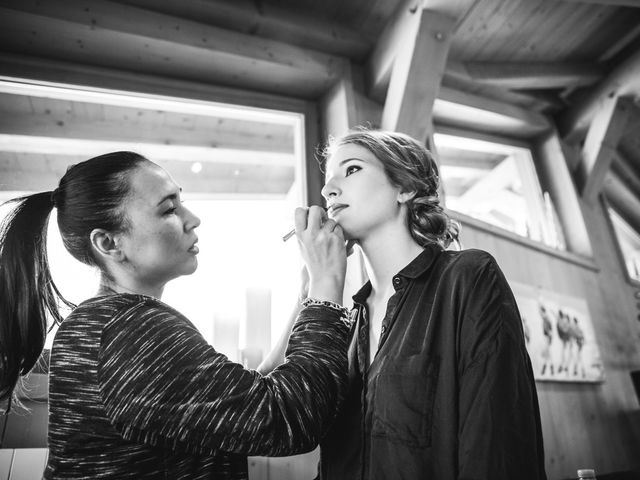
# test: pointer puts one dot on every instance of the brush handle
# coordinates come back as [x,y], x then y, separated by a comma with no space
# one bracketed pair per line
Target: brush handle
[293,231]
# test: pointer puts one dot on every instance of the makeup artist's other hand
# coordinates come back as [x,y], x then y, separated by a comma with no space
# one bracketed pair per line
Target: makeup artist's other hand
[322,246]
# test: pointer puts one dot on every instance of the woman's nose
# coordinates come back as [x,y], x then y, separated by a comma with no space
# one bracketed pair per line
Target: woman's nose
[329,190]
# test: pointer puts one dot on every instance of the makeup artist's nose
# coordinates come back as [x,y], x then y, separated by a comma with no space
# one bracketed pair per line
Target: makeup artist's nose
[330,189]
[191,220]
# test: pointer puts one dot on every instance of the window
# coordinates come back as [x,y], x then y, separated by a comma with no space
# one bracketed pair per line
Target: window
[240,170]
[629,242]
[497,183]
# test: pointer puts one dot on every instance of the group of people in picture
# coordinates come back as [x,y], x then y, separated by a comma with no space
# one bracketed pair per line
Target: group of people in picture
[571,337]
[427,377]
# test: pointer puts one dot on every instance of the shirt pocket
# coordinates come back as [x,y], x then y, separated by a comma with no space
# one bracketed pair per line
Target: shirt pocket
[403,406]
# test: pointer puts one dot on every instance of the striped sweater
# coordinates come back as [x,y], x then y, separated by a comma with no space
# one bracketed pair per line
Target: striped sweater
[135,392]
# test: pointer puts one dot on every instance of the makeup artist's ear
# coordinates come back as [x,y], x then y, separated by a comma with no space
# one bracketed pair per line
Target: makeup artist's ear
[404,197]
[106,245]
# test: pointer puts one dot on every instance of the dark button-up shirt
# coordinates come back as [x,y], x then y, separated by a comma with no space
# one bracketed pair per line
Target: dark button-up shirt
[450,393]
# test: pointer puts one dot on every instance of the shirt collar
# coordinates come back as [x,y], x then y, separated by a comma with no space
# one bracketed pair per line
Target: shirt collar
[417,267]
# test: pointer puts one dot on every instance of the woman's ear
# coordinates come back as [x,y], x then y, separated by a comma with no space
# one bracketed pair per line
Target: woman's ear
[106,245]
[404,197]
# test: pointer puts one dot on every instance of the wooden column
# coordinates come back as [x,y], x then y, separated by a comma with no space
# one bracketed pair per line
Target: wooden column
[556,178]
[416,75]
[599,149]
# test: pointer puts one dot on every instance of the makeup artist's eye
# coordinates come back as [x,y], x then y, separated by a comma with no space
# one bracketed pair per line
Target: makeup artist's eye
[351,169]
[173,207]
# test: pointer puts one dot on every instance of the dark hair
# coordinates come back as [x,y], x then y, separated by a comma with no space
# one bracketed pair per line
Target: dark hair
[410,166]
[90,195]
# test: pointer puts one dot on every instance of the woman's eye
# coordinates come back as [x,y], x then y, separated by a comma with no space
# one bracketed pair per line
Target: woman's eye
[351,169]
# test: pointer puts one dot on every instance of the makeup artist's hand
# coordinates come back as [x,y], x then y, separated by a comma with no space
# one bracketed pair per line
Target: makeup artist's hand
[323,249]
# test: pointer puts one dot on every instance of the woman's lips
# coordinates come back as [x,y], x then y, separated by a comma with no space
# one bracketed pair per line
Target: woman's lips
[333,209]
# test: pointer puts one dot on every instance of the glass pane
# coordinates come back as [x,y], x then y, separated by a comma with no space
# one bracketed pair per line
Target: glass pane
[240,170]
[629,242]
[497,184]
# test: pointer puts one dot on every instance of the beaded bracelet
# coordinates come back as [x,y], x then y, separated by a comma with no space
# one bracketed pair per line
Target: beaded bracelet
[344,311]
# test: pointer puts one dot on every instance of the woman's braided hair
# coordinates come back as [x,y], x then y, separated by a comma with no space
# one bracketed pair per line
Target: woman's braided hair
[410,166]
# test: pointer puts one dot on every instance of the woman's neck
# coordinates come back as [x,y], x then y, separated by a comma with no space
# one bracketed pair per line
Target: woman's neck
[113,286]
[385,254]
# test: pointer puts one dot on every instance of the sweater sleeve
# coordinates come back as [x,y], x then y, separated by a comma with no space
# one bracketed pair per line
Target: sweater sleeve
[500,436]
[162,384]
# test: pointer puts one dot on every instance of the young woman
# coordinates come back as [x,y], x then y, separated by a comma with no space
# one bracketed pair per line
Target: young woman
[440,382]
[134,390]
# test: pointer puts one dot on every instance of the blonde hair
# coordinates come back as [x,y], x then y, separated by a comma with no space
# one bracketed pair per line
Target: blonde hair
[410,166]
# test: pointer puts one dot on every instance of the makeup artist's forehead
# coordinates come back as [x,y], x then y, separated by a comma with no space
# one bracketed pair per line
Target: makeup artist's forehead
[150,184]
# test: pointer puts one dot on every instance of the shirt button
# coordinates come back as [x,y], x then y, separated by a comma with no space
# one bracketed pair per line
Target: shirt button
[384,329]
[397,282]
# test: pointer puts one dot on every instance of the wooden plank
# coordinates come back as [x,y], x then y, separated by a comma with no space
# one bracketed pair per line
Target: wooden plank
[145,126]
[610,3]
[6,457]
[416,75]
[599,148]
[267,20]
[28,463]
[134,39]
[159,151]
[399,32]
[534,75]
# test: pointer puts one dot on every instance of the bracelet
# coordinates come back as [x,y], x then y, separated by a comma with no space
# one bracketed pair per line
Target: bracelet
[344,311]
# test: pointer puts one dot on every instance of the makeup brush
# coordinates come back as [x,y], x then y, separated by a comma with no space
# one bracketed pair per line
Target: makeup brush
[293,231]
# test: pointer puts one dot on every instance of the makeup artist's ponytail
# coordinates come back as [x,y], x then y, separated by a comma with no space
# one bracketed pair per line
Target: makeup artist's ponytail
[27,293]
[90,195]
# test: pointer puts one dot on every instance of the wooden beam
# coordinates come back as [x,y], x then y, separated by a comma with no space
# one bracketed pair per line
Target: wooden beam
[186,153]
[338,108]
[266,20]
[33,171]
[534,75]
[623,80]
[621,43]
[555,177]
[456,75]
[599,148]
[610,3]
[625,201]
[622,167]
[134,39]
[399,32]
[467,110]
[38,70]
[416,75]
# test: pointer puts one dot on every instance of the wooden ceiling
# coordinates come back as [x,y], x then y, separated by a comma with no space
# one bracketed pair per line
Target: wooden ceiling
[512,68]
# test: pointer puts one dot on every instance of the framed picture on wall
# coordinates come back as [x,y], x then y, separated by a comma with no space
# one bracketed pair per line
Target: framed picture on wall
[559,335]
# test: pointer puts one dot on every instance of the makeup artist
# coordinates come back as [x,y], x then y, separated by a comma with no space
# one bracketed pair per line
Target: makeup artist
[134,390]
